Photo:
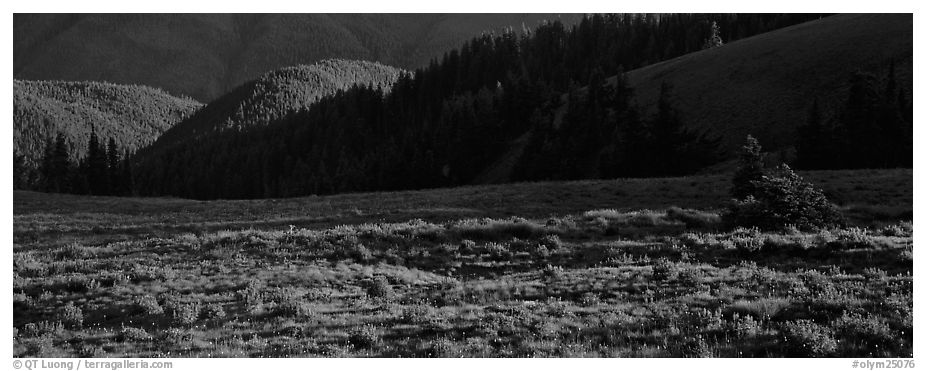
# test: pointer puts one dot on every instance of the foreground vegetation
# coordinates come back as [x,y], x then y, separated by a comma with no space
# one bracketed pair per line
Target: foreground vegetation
[592,268]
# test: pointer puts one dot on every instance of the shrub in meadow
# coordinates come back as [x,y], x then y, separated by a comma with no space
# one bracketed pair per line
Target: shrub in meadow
[664,270]
[186,314]
[173,337]
[872,330]
[73,251]
[42,329]
[807,339]
[251,295]
[366,336]
[441,348]
[743,325]
[134,334]
[467,247]
[212,311]
[71,316]
[783,199]
[148,305]
[589,299]
[91,351]
[898,230]
[775,199]
[553,272]
[552,242]
[380,288]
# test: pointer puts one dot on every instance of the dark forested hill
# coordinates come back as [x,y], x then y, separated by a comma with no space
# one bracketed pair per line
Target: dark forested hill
[445,124]
[132,115]
[206,55]
[765,85]
[277,94]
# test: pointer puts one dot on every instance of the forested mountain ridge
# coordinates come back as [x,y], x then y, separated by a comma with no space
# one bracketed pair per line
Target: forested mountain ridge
[134,116]
[765,85]
[277,94]
[446,123]
[206,55]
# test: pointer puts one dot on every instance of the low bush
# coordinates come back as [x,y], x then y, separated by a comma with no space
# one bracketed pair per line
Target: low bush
[551,242]
[27,265]
[134,334]
[664,270]
[250,294]
[379,288]
[467,247]
[442,348]
[73,251]
[743,325]
[186,314]
[852,238]
[41,329]
[498,251]
[807,339]
[447,251]
[553,273]
[212,311]
[173,337]
[898,230]
[293,307]
[589,299]
[366,336]
[169,301]
[148,305]
[871,330]
[71,316]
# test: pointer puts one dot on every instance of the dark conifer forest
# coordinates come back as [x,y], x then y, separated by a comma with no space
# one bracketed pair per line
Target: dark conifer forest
[105,170]
[872,129]
[445,123]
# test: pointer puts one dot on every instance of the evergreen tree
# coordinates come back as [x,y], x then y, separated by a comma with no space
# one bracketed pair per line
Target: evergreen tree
[781,198]
[113,168]
[814,143]
[751,169]
[126,177]
[873,129]
[714,39]
[56,166]
[95,168]
[858,120]
[45,167]
[678,151]
[666,135]
[20,172]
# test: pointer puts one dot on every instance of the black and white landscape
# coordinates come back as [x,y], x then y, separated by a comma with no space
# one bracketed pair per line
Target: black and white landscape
[463,185]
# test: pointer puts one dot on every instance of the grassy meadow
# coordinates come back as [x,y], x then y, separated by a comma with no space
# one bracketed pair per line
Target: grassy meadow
[616,268]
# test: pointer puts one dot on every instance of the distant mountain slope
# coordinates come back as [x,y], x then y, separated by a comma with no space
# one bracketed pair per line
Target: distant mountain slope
[205,55]
[133,115]
[765,84]
[460,120]
[762,85]
[277,94]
